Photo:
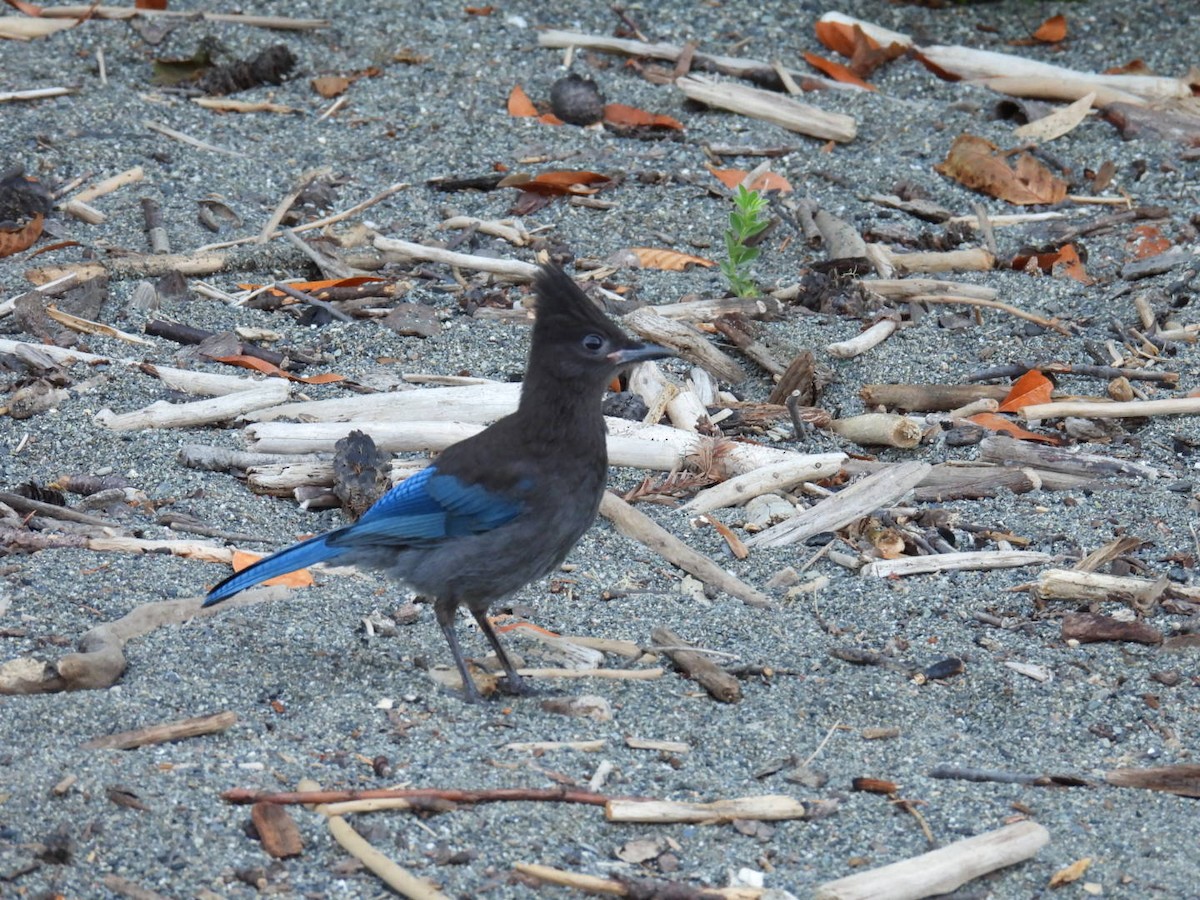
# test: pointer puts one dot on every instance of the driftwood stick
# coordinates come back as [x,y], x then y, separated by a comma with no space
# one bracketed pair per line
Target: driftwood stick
[765,808]
[394,876]
[1101,409]
[770,107]
[1010,451]
[884,488]
[719,683]
[199,412]
[246,796]
[609,887]
[781,476]
[407,251]
[976,259]
[687,341]
[993,304]
[463,403]
[863,341]
[713,308]
[1096,587]
[101,659]
[729,65]
[1183,780]
[969,64]
[658,447]
[633,523]
[878,430]
[164,733]
[943,870]
[972,560]
[906,288]
[928,397]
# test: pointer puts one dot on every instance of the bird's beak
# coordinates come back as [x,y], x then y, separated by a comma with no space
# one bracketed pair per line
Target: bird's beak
[639,353]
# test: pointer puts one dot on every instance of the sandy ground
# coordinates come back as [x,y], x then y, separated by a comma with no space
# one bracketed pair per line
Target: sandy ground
[316,698]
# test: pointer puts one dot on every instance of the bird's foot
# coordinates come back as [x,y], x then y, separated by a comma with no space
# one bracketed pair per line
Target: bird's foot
[513,685]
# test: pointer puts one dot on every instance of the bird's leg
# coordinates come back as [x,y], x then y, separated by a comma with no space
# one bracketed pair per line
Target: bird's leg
[445,618]
[515,683]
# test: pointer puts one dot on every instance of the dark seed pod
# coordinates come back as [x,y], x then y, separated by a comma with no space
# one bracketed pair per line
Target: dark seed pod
[577,100]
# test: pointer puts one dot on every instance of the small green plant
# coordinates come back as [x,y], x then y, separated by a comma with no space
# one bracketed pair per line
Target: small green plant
[745,222]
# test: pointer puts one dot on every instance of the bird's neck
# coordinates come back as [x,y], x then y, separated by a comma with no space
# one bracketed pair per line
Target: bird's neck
[562,410]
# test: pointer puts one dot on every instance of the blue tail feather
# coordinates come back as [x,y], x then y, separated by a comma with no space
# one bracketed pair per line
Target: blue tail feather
[298,556]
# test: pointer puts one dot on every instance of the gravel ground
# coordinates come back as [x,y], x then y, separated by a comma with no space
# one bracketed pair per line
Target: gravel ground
[307,685]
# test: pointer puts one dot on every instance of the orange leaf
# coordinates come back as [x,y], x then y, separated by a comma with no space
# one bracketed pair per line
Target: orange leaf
[22,238]
[768,181]
[269,368]
[623,116]
[1147,241]
[978,164]
[1133,67]
[29,9]
[479,10]
[1069,264]
[1032,387]
[330,86]
[299,578]
[667,260]
[560,182]
[519,104]
[836,71]
[314,286]
[839,37]
[1052,30]
[993,422]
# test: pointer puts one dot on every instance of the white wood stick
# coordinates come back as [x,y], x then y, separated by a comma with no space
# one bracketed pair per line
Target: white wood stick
[204,383]
[406,251]
[766,808]
[1099,409]
[1095,587]
[884,488]
[916,287]
[199,412]
[634,444]
[975,560]
[970,64]
[770,107]
[943,870]
[863,341]
[781,476]
[463,403]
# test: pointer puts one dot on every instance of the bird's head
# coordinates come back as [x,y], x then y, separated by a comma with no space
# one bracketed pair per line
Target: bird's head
[573,340]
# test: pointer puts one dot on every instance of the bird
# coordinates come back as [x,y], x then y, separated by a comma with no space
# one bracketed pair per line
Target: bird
[501,508]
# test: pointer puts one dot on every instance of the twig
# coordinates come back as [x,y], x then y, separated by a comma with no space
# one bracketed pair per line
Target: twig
[637,525]
[393,875]
[994,304]
[289,199]
[187,139]
[311,300]
[243,796]
[719,683]
[161,734]
[317,223]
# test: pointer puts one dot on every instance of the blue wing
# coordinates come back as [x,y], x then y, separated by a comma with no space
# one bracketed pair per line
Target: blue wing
[427,507]
[422,509]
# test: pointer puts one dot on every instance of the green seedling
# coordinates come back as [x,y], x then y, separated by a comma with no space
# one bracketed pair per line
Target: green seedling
[745,222]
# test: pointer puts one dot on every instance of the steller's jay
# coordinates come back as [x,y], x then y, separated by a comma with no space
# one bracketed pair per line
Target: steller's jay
[503,507]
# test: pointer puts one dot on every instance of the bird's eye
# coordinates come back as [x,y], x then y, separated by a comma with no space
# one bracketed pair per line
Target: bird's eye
[593,342]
